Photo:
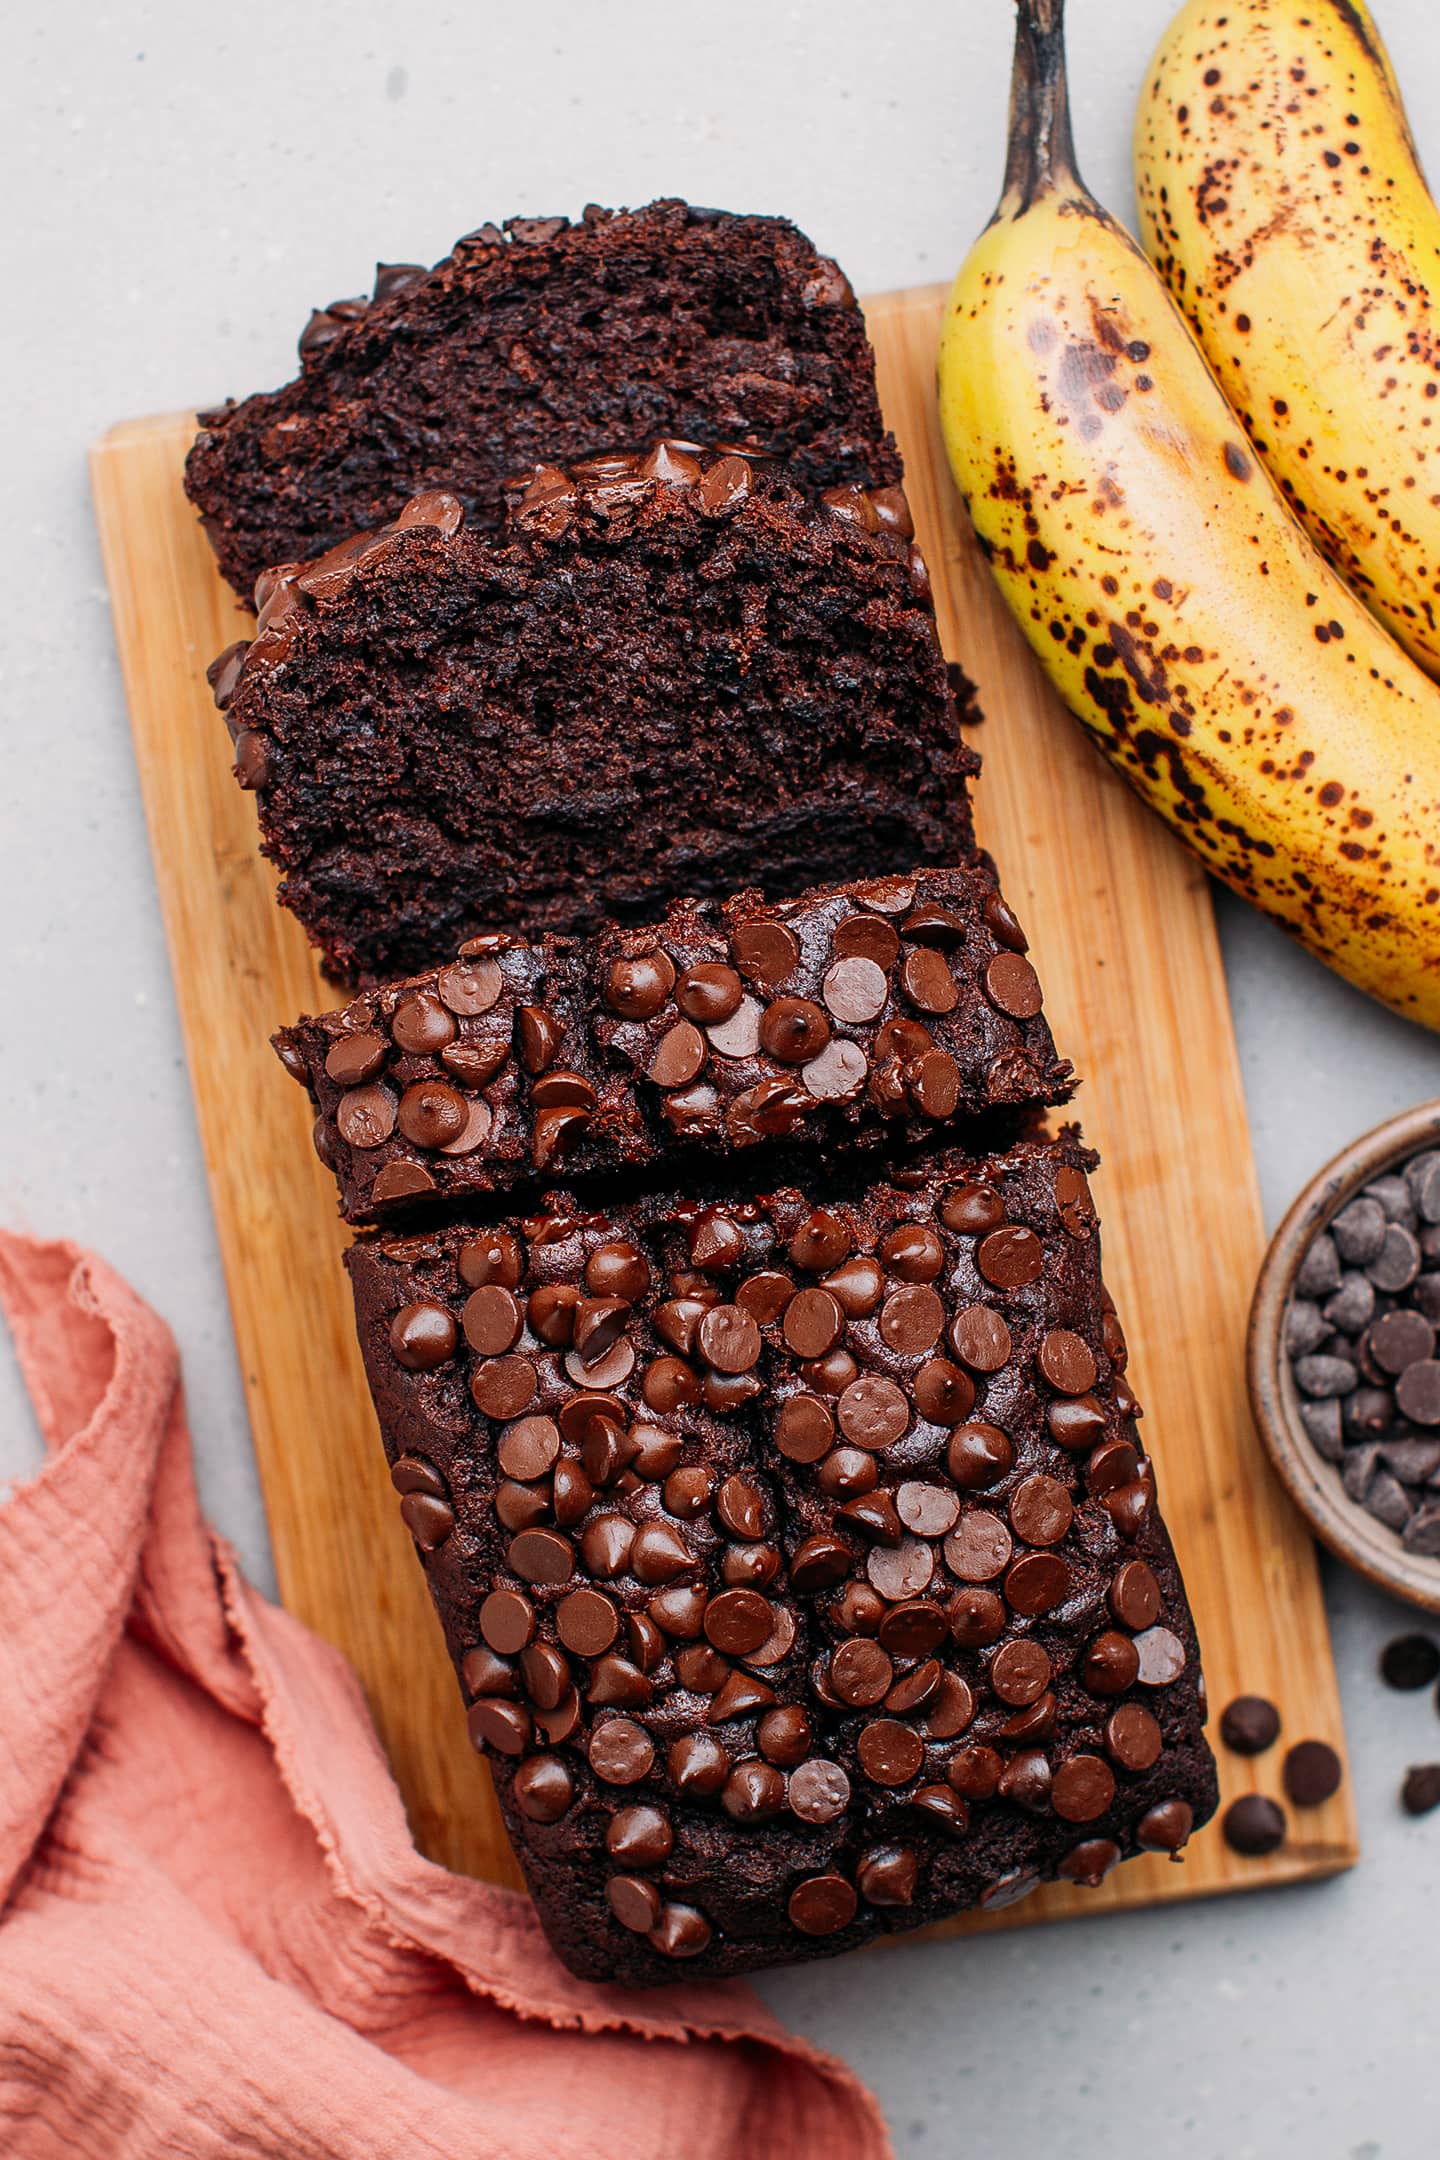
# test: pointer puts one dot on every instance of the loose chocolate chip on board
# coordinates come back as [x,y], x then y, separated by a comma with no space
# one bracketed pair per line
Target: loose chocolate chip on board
[1311,1773]
[1253,1825]
[1250,1724]
[1410,1661]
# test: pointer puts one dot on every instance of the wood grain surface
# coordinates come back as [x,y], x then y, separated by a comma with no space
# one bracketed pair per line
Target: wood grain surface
[1123,935]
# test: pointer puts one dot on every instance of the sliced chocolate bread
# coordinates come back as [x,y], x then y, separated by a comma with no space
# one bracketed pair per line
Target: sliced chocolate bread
[668,674]
[873,1013]
[796,1552]
[546,342]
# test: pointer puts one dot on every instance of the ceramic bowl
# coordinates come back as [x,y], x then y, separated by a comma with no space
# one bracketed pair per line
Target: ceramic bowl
[1313,1483]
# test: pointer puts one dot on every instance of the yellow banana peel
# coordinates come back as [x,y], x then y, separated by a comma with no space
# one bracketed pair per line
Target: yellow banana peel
[1180,610]
[1282,200]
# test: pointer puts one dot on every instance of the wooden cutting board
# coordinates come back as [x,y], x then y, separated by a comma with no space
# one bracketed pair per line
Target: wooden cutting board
[1123,935]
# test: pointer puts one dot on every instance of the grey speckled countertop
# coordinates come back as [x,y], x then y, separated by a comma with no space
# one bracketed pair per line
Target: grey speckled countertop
[183,183]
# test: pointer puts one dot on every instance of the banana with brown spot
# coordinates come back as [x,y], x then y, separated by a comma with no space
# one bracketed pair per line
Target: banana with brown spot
[1179,608]
[1282,201]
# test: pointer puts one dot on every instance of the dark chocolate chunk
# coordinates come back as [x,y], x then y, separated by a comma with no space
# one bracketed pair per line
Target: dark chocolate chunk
[1311,1773]
[1249,1725]
[1253,1825]
[1420,1792]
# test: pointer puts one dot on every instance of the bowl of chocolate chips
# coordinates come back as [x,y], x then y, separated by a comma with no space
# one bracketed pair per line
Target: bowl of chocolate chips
[1343,1356]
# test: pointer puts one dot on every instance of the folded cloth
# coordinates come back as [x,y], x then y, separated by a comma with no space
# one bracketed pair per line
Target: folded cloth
[217,1936]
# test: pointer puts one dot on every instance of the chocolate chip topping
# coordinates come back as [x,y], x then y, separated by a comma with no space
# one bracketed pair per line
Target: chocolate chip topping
[808,1554]
[719,1028]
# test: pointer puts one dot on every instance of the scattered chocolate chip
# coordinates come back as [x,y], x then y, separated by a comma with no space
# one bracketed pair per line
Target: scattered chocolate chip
[1253,1825]
[1421,1789]
[1311,1773]
[1250,1724]
[1410,1662]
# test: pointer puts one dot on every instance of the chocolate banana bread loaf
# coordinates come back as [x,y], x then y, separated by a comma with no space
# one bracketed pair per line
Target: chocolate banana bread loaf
[796,1552]
[869,1013]
[547,342]
[669,674]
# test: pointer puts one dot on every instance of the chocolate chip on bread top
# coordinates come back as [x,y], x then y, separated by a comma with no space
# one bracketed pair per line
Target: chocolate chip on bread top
[875,1012]
[544,342]
[674,672]
[796,1550]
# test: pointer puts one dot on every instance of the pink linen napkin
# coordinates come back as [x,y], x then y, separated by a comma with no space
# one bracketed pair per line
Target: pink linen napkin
[215,1934]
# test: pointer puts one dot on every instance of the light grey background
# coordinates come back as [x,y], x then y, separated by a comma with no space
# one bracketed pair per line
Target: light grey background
[182,182]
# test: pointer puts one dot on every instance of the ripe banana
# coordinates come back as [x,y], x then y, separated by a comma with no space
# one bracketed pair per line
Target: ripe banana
[1182,613]
[1282,201]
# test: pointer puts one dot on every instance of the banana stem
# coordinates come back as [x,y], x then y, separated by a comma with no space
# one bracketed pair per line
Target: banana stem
[1041,153]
